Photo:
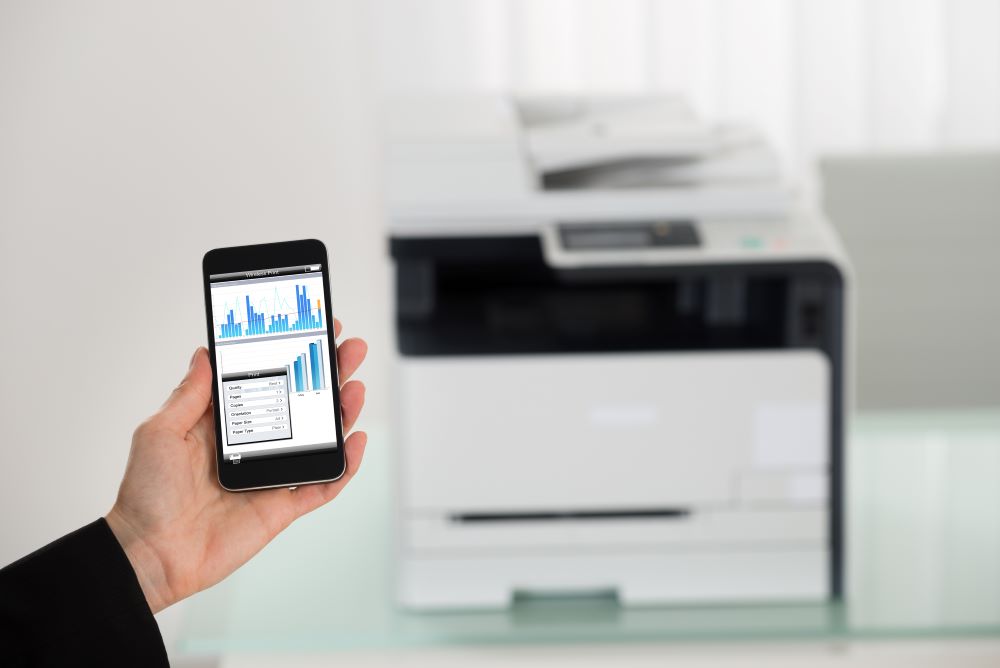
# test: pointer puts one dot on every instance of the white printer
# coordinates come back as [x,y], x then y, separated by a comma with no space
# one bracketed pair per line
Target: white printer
[621,358]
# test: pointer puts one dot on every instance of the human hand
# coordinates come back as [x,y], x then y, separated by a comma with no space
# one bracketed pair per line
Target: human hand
[182,532]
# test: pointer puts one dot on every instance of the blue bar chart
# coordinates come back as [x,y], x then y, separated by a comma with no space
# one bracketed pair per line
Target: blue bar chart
[272,313]
[307,371]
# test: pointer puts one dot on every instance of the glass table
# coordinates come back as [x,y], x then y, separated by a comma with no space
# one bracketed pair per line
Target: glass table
[923,559]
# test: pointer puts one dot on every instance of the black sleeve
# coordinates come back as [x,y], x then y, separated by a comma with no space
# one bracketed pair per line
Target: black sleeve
[77,602]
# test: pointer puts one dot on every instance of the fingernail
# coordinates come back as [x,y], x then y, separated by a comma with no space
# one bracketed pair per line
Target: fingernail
[193,358]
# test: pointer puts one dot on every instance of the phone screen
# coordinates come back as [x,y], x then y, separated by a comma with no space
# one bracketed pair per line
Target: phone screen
[276,385]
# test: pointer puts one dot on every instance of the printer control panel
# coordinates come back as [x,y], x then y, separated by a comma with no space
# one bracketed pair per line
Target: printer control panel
[622,236]
[682,241]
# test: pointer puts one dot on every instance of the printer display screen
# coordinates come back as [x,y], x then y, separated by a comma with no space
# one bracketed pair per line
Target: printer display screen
[651,234]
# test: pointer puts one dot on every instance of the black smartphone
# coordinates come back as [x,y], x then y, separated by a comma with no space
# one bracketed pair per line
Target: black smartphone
[276,388]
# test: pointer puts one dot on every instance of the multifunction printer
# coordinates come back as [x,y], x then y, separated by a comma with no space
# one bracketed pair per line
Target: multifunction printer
[621,358]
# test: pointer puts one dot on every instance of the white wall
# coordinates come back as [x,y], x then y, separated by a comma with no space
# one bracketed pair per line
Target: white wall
[134,137]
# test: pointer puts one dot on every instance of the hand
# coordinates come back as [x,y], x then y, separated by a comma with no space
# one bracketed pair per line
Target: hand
[182,532]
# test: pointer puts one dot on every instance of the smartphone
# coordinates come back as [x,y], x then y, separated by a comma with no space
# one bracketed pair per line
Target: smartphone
[275,386]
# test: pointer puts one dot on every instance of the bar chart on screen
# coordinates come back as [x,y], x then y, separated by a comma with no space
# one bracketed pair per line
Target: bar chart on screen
[305,360]
[307,370]
[275,308]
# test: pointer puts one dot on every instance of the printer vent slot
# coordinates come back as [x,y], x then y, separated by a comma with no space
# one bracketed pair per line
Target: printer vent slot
[808,313]
[571,515]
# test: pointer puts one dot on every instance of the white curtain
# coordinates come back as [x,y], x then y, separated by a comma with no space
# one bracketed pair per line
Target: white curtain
[818,76]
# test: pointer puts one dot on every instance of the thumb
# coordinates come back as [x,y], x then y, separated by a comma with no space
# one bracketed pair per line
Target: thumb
[189,400]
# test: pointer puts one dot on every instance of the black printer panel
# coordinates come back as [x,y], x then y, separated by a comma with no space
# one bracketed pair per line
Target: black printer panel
[464,296]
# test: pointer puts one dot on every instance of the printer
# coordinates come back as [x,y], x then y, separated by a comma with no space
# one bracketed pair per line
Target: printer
[621,358]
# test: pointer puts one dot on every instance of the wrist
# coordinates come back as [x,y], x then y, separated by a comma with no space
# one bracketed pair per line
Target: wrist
[146,563]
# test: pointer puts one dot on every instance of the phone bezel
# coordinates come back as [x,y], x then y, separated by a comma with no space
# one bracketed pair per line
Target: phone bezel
[293,469]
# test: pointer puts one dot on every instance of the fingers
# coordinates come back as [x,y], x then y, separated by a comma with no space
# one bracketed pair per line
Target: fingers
[310,497]
[187,403]
[354,450]
[350,354]
[352,400]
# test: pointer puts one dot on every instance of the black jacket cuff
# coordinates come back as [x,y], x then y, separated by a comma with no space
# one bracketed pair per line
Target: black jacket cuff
[77,601]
